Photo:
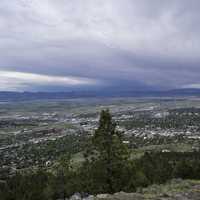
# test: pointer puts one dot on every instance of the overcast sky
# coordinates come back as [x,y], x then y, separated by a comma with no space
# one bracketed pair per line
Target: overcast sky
[68,44]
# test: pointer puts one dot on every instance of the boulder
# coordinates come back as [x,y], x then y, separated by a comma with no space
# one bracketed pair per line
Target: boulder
[76,196]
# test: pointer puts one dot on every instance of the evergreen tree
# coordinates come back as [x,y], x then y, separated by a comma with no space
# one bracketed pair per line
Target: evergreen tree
[62,182]
[108,156]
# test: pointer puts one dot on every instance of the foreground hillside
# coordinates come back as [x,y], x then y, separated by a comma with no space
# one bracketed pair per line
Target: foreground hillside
[174,190]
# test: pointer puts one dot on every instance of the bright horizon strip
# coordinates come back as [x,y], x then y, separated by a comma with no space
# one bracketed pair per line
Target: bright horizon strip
[193,86]
[9,78]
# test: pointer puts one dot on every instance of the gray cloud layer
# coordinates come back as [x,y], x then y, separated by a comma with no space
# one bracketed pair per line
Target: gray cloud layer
[125,42]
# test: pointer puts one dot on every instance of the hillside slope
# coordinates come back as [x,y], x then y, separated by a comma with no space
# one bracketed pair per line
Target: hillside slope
[174,190]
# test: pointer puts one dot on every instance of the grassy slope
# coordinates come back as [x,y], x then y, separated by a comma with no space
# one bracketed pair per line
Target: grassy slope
[173,190]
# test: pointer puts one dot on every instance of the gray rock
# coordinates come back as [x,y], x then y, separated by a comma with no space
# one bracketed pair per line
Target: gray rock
[120,196]
[102,196]
[91,197]
[76,196]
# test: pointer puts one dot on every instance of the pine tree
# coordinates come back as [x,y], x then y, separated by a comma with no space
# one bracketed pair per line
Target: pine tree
[109,156]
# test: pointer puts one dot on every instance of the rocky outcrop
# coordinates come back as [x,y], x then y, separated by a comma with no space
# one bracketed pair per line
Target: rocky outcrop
[174,190]
[192,194]
[120,196]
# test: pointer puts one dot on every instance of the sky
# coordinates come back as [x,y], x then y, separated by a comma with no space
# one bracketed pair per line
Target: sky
[61,45]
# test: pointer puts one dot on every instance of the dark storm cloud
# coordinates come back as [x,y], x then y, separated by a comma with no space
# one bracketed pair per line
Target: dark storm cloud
[137,43]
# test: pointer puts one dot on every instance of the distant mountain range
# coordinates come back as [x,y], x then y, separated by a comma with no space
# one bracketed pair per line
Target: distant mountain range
[22,96]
